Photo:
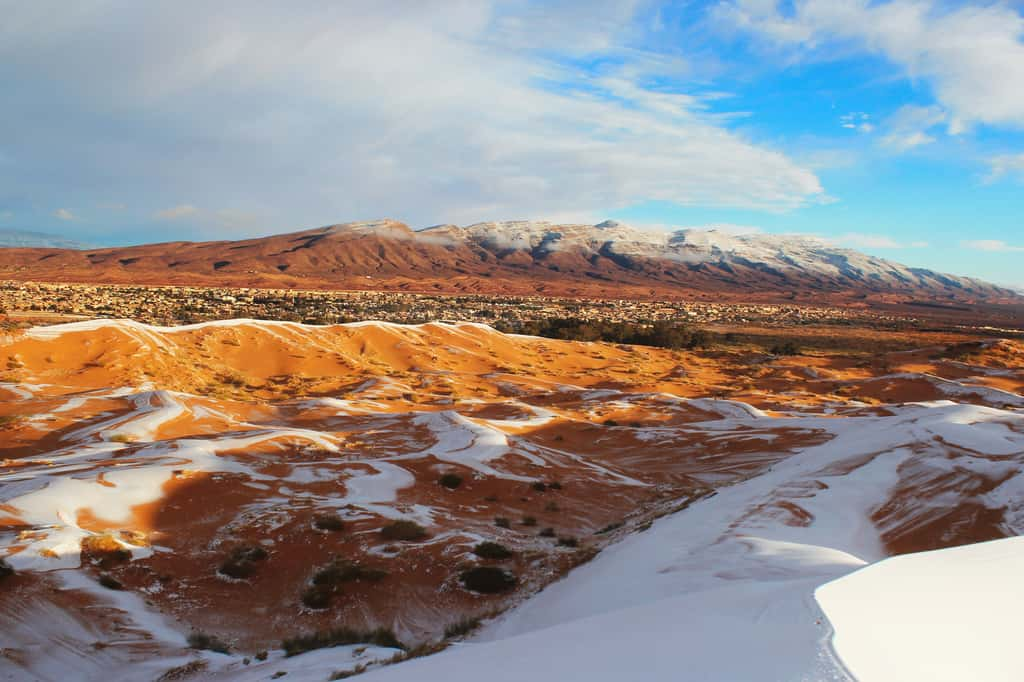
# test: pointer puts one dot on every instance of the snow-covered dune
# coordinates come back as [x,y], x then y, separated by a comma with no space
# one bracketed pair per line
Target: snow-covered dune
[651,532]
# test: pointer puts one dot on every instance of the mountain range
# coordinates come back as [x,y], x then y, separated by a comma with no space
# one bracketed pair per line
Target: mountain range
[609,259]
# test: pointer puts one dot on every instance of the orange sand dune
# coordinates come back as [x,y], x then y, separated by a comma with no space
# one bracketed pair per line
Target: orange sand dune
[215,469]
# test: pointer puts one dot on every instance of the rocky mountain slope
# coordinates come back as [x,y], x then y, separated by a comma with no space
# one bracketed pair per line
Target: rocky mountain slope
[520,257]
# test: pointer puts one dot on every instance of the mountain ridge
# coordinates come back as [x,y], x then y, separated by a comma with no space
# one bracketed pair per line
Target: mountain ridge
[522,257]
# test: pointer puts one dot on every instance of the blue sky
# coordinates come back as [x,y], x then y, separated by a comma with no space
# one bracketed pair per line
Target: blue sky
[895,127]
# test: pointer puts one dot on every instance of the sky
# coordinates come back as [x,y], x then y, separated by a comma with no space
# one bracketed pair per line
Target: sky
[895,127]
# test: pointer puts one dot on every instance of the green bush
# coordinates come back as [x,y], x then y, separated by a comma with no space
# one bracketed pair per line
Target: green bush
[329,522]
[488,580]
[340,637]
[317,597]
[450,481]
[242,562]
[461,628]
[202,640]
[405,531]
[492,550]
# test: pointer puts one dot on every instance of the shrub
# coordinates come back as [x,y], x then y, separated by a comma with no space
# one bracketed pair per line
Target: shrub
[261,655]
[343,571]
[405,531]
[492,550]
[328,522]
[502,522]
[609,528]
[340,637]
[104,550]
[488,580]
[568,542]
[110,582]
[463,627]
[450,481]
[6,570]
[317,597]
[554,485]
[529,521]
[547,533]
[202,640]
[610,422]
[242,562]
[539,486]
[551,507]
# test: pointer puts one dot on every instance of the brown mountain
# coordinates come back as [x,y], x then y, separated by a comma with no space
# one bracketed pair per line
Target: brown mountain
[521,257]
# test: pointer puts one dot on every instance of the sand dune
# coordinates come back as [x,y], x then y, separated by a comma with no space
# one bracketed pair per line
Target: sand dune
[154,457]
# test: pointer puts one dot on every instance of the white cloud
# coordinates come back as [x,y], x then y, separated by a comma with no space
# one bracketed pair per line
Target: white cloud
[857,120]
[972,56]
[326,111]
[1006,165]
[63,214]
[908,127]
[907,140]
[991,245]
[176,212]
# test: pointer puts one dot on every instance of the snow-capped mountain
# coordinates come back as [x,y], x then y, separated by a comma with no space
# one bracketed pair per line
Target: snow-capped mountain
[609,259]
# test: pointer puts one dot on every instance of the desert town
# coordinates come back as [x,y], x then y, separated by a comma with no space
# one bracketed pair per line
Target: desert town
[173,305]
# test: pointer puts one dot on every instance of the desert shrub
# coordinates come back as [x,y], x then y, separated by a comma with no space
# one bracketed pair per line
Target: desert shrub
[552,507]
[547,533]
[488,579]
[122,438]
[110,582]
[208,642]
[103,550]
[609,528]
[242,562]
[6,570]
[10,419]
[340,637]
[529,521]
[568,542]
[317,597]
[785,348]
[610,422]
[539,486]
[554,485]
[450,481]
[343,571]
[405,531]
[462,627]
[261,655]
[502,522]
[492,550]
[329,522]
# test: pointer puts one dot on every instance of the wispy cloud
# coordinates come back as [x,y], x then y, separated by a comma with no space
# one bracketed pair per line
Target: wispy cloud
[971,56]
[63,214]
[176,212]
[303,114]
[1004,165]
[991,245]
